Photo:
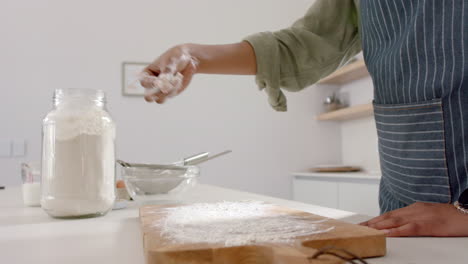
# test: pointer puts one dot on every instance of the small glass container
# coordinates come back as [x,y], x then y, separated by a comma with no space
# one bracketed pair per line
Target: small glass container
[78,155]
[31,175]
[332,103]
[150,186]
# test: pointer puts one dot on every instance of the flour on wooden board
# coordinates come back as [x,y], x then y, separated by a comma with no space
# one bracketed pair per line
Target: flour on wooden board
[234,224]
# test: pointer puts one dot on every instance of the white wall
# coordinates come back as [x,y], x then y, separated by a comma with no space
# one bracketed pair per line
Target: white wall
[50,44]
[359,136]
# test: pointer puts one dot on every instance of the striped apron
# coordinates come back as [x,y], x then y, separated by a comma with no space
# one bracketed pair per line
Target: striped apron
[415,51]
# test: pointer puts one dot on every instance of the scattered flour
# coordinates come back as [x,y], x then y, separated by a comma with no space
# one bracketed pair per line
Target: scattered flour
[234,224]
[167,83]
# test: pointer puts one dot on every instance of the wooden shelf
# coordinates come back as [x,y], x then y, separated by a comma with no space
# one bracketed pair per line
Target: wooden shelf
[363,175]
[352,71]
[347,113]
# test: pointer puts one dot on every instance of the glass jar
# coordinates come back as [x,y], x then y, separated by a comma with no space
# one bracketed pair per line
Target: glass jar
[78,155]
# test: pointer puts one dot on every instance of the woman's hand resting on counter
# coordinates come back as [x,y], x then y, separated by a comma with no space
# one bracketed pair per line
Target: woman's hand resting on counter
[422,219]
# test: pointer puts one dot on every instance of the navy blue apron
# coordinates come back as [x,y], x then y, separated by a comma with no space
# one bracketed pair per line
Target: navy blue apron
[416,53]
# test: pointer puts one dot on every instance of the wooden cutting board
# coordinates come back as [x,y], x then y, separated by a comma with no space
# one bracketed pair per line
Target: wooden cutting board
[336,169]
[361,241]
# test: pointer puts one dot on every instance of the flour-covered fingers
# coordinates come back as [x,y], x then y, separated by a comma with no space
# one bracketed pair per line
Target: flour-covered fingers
[164,83]
[146,79]
[170,74]
[159,93]
[161,99]
[149,98]
[156,95]
[176,84]
[187,76]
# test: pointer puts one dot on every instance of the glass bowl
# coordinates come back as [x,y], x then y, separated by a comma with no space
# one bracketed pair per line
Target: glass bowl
[153,185]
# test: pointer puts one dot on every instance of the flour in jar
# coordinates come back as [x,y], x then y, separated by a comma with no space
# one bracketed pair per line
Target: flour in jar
[234,224]
[78,164]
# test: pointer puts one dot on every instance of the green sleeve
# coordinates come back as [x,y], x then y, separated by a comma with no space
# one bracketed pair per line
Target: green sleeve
[312,48]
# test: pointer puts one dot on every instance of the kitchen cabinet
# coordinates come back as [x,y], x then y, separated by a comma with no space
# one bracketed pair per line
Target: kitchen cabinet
[354,192]
[323,193]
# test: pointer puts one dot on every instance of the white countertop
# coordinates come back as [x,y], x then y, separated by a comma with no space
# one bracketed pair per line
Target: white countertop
[339,175]
[28,235]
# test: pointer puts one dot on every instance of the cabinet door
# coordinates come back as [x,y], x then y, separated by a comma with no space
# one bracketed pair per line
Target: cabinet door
[359,197]
[322,193]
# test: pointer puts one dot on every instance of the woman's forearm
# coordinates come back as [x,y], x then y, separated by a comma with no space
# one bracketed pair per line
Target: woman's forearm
[238,58]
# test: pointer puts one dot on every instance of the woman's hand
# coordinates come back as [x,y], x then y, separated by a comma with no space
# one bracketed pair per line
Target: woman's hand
[172,72]
[169,74]
[422,219]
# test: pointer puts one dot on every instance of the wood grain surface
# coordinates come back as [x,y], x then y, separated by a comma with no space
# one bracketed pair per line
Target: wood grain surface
[361,241]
